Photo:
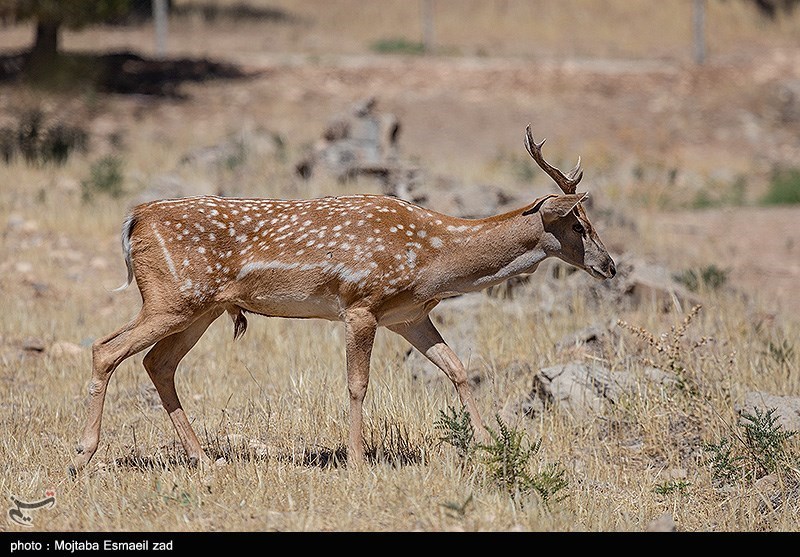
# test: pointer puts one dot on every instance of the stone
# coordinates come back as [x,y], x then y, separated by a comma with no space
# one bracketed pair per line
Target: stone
[787,408]
[663,523]
[64,349]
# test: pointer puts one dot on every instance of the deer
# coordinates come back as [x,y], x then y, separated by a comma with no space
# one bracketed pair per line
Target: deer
[367,260]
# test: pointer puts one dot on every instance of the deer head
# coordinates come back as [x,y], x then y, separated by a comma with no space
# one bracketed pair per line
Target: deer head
[568,233]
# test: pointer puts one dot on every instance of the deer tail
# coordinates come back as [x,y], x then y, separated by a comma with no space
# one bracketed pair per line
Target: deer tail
[127,230]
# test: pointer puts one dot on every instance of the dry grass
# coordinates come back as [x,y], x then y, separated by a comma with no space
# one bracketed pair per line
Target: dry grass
[274,403]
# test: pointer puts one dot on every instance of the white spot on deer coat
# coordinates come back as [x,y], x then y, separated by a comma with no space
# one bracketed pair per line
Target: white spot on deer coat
[167,256]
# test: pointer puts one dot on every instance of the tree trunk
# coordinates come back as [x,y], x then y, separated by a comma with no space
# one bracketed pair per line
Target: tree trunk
[45,45]
[43,58]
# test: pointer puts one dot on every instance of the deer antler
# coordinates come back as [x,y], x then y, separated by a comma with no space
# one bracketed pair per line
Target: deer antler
[567,183]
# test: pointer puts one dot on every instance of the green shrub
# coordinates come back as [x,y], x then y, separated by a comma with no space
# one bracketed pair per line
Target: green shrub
[758,447]
[672,487]
[397,46]
[784,187]
[40,142]
[506,457]
[710,276]
[105,176]
[456,430]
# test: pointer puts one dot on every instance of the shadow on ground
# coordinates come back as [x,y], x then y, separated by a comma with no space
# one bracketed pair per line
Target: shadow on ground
[125,73]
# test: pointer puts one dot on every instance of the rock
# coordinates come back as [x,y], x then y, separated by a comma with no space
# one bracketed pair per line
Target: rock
[674,474]
[584,390]
[453,197]
[787,408]
[595,340]
[23,267]
[653,284]
[15,221]
[259,449]
[29,226]
[234,149]
[581,389]
[64,349]
[33,344]
[235,440]
[664,523]
[360,141]
[67,255]
[67,184]
[787,101]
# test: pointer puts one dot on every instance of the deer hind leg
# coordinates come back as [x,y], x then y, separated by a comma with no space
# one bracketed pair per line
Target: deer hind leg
[161,362]
[360,327]
[424,336]
[107,353]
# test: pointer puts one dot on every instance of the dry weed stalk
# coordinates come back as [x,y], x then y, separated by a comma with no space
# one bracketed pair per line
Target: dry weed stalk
[670,350]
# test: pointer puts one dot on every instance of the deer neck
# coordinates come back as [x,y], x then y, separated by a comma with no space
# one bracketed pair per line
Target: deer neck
[489,251]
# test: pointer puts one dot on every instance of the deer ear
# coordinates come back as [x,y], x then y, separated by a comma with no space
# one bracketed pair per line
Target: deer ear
[559,207]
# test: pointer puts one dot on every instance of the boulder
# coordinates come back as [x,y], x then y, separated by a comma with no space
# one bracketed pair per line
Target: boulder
[585,390]
[787,408]
[663,523]
[64,349]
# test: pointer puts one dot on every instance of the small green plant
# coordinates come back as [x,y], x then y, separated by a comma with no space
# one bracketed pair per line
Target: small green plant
[397,46]
[710,277]
[457,430]
[175,495]
[759,447]
[726,467]
[507,458]
[784,187]
[105,176]
[237,154]
[671,487]
[549,482]
[765,440]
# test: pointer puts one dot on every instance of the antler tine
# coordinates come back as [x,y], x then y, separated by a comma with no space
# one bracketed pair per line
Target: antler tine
[576,173]
[569,183]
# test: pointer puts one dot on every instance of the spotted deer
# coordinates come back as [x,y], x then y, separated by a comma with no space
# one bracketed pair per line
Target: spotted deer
[366,260]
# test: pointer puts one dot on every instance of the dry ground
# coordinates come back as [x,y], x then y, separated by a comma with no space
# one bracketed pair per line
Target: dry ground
[653,131]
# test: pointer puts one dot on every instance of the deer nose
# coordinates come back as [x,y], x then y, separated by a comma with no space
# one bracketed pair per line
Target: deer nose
[612,269]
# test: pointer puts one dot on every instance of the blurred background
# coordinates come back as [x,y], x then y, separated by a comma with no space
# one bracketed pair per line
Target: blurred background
[686,113]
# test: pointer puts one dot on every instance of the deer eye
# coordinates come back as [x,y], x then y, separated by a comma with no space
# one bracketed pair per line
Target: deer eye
[578,227]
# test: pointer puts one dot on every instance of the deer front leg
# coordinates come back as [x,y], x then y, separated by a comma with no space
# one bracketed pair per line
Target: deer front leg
[424,336]
[360,327]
